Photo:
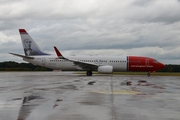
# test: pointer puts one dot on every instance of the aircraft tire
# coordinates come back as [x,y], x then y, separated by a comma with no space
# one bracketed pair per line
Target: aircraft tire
[89,73]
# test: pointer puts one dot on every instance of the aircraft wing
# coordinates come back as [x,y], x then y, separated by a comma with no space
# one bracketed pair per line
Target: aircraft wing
[22,56]
[79,64]
[83,65]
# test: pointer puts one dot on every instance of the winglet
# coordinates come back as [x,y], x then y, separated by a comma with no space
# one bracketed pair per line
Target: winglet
[58,53]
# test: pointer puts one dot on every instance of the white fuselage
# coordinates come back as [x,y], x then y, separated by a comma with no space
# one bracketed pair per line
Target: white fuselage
[119,63]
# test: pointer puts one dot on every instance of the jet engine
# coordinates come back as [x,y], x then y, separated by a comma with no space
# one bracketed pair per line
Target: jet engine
[105,69]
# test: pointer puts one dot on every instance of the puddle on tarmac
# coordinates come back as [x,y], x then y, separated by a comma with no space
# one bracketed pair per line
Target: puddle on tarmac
[69,87]
[77,80]
[89,103]
[141,83]
[91,82]
[17,99]
[57,103]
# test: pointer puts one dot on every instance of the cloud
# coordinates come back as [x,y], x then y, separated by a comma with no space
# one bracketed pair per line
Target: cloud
[46,9]
[156,11]
[141,27]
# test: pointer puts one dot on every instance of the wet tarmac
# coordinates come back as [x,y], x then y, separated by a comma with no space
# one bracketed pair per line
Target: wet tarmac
[68,96]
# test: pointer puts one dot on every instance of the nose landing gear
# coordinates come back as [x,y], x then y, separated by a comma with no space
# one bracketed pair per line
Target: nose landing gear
[89,73]
[149,74]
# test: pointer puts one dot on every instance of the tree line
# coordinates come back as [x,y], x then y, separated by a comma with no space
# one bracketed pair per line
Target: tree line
[170,68]
[14,66]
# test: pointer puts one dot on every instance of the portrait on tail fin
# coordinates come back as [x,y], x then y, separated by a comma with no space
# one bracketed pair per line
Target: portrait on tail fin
[27,48]
[29,45]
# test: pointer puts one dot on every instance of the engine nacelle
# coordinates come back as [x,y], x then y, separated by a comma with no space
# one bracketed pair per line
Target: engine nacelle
[105,69]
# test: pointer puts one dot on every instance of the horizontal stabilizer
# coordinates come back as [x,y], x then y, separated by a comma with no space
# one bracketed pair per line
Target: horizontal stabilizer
[22,56]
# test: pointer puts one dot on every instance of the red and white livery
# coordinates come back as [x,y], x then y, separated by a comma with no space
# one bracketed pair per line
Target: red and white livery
[101,64]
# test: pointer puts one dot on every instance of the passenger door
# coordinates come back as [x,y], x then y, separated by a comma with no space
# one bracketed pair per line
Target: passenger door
[43,61]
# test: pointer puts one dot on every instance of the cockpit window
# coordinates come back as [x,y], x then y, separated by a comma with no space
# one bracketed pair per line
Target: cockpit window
[155,61]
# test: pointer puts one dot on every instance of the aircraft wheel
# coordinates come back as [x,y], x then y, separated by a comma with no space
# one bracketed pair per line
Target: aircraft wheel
[148,73]
[89,73]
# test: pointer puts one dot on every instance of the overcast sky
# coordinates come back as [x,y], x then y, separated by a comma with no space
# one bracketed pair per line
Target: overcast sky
[93,27]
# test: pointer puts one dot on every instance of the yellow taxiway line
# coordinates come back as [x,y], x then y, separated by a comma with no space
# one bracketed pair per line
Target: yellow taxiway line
[126,92]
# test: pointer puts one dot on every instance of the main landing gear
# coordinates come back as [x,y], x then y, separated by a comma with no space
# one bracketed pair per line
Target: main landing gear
[148,74]
[89,73]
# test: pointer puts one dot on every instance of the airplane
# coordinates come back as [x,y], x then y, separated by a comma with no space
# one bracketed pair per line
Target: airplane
[101,64]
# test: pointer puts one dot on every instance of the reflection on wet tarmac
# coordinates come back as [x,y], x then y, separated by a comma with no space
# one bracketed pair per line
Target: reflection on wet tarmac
[69,87]
[91,82]
[67,96]
[27,107]
[57,103]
